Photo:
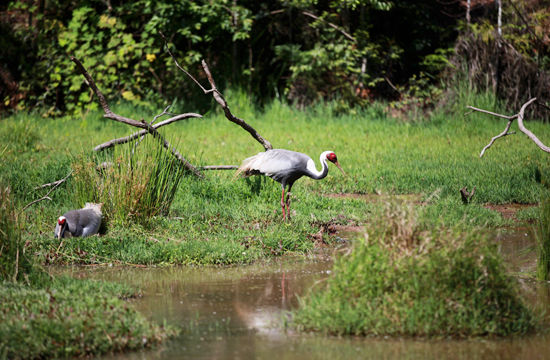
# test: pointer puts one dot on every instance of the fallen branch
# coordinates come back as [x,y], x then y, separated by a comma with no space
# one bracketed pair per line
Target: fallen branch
[522,128]
[219,98]
[219,167]
[140,124]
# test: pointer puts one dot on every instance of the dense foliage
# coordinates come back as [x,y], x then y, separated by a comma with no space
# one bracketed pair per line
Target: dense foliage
[303,50]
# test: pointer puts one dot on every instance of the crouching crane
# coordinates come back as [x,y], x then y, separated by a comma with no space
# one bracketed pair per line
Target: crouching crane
[285,167]
[82,222]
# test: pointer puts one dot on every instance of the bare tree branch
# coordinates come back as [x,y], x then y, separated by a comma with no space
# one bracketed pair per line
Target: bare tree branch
[135,135]
[143,125]
[307,13]
[220,99]
[527,131]
[46,197]
[522,128]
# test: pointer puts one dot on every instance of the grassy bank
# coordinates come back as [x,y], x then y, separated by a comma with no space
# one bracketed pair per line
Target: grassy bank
[47,317]
[72,318]
[222,220]
[435,282]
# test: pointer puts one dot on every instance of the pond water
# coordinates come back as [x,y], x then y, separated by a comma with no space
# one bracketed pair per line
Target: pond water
[236,312]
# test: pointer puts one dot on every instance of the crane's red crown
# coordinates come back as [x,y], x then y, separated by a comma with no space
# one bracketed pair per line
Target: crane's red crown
[332,157]
[61,220]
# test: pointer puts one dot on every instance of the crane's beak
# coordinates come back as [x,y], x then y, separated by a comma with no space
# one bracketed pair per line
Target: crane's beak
[339,167]
[62,231]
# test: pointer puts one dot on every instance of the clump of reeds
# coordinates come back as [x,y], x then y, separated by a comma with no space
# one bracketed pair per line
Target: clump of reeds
[542,234]
[14,263]
[138,181]
[407,279]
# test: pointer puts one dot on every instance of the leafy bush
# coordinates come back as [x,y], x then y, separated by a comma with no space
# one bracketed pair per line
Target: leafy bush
[406,280]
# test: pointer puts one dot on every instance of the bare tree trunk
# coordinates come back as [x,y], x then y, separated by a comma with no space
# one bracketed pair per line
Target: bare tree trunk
[468,8]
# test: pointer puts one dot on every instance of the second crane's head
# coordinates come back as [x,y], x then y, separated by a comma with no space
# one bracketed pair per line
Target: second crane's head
[331,156]
[61,227]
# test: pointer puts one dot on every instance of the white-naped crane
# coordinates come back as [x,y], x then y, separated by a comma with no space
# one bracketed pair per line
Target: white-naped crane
[82,222]
[286,167]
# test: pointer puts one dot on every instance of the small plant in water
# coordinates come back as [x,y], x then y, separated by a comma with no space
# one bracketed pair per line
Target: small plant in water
[135,183]
[407,279]
[542,234]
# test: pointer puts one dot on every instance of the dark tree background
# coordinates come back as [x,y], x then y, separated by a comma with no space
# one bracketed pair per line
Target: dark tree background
[351,51]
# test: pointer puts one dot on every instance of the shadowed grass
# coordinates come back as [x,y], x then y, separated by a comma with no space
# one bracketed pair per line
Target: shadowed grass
[406,279]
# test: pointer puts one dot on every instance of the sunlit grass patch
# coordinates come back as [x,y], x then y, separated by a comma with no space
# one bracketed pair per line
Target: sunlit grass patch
[407,279]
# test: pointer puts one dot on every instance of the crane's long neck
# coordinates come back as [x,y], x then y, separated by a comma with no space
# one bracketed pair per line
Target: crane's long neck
[312,169]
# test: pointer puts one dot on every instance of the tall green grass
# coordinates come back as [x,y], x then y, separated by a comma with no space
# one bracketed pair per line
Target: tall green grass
[135,181]
[406,279]
[15,263]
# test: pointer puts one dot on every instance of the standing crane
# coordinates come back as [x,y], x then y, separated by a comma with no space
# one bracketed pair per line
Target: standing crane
[285,167]
[82,222]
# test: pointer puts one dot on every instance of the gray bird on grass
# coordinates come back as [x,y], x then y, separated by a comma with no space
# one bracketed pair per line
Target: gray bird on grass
[82,222]
[285,167]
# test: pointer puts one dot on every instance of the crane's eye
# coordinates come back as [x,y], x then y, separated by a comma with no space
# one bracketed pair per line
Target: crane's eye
[61,221]
[332,157]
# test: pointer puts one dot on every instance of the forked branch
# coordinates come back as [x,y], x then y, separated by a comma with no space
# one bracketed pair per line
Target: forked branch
[219,98]
[520,116]
[140,124]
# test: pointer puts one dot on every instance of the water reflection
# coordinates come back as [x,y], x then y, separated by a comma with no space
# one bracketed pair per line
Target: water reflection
[235,313]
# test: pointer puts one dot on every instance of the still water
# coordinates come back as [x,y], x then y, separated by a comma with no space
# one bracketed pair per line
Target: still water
[236,312]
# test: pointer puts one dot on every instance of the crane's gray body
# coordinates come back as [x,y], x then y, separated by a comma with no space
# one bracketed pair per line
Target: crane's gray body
[82,222]
[281,165]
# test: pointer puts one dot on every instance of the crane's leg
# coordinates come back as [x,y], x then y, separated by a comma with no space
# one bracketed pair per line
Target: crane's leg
[288,200]
[283,203]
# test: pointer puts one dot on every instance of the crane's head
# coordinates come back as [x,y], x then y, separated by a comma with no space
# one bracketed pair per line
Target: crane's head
[333,159]
[60,227]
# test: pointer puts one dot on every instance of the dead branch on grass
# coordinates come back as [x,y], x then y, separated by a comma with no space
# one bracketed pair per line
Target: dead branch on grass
[520,116]
[139,124]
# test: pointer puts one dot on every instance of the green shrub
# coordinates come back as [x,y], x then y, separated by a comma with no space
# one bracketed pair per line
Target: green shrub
[406,280]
